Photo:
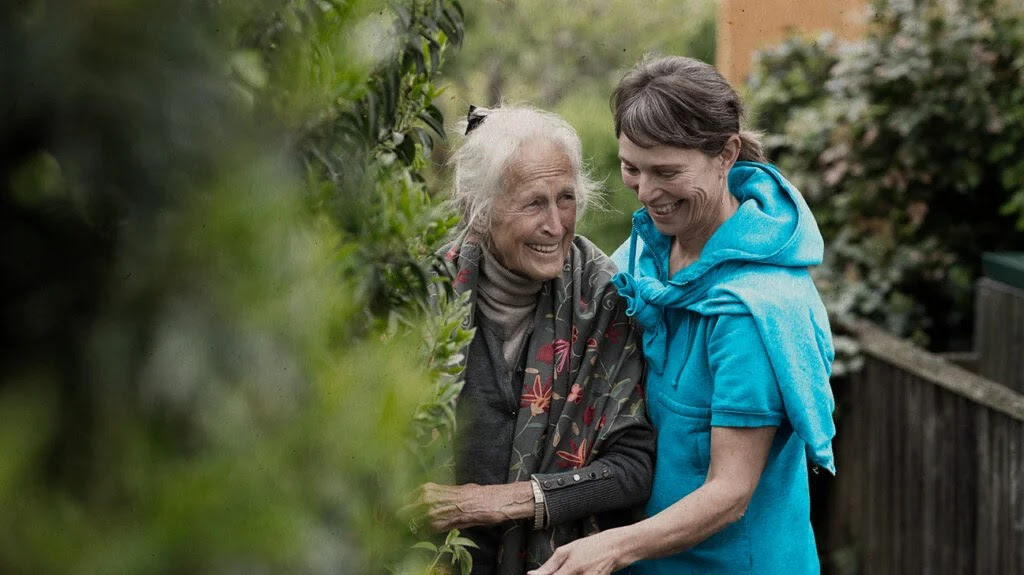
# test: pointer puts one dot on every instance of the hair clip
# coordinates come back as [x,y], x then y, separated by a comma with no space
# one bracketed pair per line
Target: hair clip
[475,117]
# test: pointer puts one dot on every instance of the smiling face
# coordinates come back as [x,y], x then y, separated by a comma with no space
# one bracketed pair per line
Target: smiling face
[684,190]
[534,221]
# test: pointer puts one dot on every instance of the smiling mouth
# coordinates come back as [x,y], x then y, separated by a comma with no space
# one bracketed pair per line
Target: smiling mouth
[544,249]
[665,209]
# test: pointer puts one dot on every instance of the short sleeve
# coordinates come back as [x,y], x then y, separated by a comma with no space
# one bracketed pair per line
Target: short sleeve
[746,391]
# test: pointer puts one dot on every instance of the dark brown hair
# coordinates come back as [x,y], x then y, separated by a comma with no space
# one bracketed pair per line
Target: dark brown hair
[681,102]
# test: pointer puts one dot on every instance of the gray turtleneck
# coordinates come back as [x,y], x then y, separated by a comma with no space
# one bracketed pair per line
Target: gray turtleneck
[509,300]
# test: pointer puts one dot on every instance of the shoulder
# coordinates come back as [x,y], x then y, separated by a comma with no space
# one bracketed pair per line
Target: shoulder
[760,285]
[782,302]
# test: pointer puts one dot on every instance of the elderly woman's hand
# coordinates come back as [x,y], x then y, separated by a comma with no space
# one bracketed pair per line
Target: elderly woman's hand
[598,554]
[445,507]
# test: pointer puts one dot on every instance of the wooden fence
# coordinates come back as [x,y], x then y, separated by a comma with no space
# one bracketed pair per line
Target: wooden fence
[930,468]
[999,332]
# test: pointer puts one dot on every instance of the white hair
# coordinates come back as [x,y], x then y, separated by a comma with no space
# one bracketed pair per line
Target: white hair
[483,158]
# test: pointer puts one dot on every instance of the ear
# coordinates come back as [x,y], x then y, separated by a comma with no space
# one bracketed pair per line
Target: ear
[730,152]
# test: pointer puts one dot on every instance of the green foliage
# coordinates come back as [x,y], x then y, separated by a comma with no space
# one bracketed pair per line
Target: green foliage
[909,147]
[457,550]
[378,141]
[566,57]
[216,238]
[444,342]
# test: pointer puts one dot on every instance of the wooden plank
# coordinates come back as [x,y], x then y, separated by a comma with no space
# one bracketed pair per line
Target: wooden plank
[963,468]
[1002,486]
[945,449]
[1008,482]
[931,477]
[998,484]
[1016,492]
[903,355]
[999,332]
[887,464]
[912,469]
[875,529]
[858,488]
[871,500]
[983,540]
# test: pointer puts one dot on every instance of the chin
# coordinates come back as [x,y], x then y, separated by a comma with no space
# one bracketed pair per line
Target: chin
[546,273]
[665,230]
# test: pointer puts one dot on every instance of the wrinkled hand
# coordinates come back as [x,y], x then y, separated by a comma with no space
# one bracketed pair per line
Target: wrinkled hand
[445,507]
[599,554]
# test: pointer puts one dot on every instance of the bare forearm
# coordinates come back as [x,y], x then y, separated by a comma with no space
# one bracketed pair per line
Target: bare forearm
[460,506]
[512,501]
[699,515]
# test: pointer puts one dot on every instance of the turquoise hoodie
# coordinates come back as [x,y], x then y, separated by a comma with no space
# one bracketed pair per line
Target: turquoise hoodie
[739,338]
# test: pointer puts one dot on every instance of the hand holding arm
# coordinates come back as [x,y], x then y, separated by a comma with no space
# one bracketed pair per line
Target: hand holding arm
[738,457]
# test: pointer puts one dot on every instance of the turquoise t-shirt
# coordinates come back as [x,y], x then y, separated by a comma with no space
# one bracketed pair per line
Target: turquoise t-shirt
[710,385]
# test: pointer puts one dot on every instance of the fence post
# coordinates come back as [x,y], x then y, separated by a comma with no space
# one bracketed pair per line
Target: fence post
[999,319]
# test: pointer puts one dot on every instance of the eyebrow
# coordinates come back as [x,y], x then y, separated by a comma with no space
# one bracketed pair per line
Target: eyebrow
[534,194]
[657,166]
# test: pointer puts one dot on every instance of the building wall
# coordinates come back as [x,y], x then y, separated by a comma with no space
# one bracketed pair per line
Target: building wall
[745,26]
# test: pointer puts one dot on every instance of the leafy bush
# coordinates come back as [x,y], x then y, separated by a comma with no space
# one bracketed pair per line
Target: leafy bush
[910,147]
[215,235]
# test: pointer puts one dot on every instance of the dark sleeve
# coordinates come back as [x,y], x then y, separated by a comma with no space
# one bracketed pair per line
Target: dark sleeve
[620,478]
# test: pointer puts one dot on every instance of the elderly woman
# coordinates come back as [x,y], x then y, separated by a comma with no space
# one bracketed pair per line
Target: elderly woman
[553,442]
[736,337]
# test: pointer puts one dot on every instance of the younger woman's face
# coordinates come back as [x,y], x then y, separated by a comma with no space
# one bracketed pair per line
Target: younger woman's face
[684,190]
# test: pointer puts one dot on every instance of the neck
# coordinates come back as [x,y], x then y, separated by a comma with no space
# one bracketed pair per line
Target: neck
[686,248]
[509,300]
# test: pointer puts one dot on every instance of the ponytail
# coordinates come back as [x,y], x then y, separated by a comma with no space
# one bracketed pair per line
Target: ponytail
[750,147]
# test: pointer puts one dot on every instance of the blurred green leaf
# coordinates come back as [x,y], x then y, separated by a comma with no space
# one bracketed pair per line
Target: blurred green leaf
[224,280]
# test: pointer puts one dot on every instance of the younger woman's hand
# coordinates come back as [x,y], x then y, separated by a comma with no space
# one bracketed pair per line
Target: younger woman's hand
[599,554]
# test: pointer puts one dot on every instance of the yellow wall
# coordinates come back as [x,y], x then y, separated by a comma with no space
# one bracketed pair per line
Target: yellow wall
[745,26]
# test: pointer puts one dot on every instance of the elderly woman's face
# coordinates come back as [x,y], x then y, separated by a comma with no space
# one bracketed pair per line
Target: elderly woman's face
[534,221]
[684,190]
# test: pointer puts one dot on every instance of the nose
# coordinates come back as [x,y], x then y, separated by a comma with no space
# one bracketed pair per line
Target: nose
[644,188]
[552,224]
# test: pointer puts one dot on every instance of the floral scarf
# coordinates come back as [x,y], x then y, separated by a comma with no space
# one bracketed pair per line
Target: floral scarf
[581,387]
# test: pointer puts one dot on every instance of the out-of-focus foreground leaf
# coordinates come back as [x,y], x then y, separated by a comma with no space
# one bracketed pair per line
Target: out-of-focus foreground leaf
[197,374]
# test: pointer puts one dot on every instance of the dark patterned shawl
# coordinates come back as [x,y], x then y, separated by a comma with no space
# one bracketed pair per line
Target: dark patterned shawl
[581,387]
